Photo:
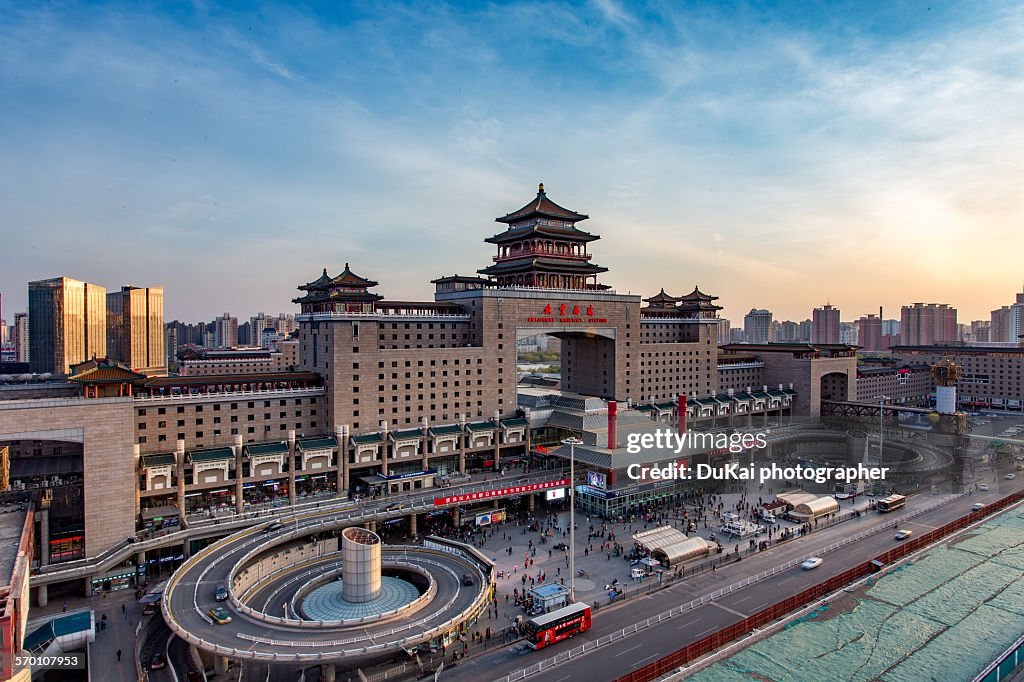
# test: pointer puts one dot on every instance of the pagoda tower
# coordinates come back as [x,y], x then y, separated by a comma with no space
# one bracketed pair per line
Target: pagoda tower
[346,293]
[698,305]
[542,248]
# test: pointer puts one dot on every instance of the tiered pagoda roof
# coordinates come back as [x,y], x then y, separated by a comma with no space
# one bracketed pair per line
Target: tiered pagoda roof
[661,300]
[543,248]
[698,302]
[327,294]
[694,305]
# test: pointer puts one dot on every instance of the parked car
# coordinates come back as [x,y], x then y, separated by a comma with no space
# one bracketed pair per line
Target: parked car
[903,534]
[813,562]
[219,615]
[222,593]
[157,662]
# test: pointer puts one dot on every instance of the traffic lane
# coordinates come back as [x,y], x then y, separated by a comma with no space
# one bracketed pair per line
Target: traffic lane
[448,586]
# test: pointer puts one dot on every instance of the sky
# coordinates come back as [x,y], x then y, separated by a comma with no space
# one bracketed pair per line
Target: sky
[779,154]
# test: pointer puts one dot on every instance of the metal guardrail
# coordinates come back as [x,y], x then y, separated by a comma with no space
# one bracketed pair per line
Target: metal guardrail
[476,607]
[717,594]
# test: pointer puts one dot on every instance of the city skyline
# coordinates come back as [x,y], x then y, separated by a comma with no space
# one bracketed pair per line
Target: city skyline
[233,156]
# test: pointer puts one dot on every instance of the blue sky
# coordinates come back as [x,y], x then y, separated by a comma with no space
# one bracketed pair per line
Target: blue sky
[778,154]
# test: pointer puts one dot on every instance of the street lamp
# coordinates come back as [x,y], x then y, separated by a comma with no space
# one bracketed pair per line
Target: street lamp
[572,443]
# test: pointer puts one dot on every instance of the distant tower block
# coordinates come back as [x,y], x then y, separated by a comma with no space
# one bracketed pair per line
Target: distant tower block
[360,572]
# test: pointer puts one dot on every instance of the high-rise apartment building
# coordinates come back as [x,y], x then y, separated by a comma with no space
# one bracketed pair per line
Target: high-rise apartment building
[724,331]
[848,333]
[825,325]
[925,324]
[69,323]
[757,326]
[225,331]
[135,328]
[789,332]
[980,331]
[869,333]
[20,334]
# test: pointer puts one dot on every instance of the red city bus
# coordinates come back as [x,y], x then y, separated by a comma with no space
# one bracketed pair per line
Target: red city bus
[557,625]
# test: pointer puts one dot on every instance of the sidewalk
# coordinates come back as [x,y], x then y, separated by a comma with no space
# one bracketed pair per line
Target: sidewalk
[119,633]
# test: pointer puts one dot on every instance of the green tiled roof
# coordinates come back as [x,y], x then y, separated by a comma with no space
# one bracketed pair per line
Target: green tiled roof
[665,406]
[645,408]
[704,402]
[514,422]
[447,430]
[760,395]
[318,443]
[406,434]
[211,455]
[366,438]
[257,449]
[157,460]
[481,426]
[742,396]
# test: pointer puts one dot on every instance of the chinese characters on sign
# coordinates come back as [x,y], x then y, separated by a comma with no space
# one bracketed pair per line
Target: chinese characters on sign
[500,492]
[568,315]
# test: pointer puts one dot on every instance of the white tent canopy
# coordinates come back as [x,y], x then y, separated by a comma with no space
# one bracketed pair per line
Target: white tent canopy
[670,545]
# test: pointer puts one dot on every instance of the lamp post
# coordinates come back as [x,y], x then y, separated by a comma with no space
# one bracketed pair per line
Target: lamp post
[572,443]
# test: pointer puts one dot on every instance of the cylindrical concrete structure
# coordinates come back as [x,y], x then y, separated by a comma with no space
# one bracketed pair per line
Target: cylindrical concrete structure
[360,573]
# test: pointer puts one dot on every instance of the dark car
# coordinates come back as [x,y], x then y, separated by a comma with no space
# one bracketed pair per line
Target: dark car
[157,662]
[276,525]
[467,579]
[222,593]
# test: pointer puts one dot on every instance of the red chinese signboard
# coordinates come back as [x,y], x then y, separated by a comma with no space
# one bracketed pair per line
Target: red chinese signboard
[568,315]
[500,492]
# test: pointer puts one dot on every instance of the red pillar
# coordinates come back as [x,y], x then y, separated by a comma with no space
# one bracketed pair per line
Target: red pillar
[682,413]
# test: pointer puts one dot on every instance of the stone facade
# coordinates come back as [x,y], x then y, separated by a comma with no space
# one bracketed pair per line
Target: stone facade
[104,427]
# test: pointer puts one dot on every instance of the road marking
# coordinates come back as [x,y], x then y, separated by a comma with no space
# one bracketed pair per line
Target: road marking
[785,580]
[726,608]
[623,653]
[689,622]
[646,659]
[923,525]
[560,679]
[713,627]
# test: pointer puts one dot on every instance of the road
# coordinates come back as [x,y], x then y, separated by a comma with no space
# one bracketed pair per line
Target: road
[635,651]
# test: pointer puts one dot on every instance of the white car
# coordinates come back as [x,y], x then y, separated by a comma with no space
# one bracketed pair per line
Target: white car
[1010,477]
[983,487]
[903,534]
[977,506]
[813,562]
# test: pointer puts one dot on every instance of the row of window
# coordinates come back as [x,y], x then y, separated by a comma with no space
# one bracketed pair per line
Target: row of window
[143,411]
[234,431]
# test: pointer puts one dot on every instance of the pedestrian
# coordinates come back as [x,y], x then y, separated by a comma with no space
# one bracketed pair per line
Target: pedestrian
[65,609]
[118,655]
